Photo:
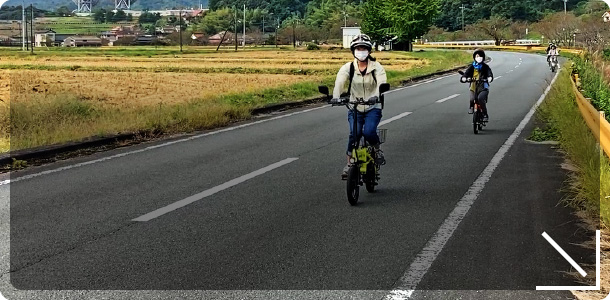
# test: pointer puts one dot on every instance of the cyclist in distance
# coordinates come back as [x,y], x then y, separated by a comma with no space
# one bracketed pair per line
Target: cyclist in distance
[479,70]
[552,51]
[363,76]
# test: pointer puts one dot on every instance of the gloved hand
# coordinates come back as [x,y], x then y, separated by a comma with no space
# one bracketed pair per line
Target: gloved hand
[490,79]
[334,101]
[373,100]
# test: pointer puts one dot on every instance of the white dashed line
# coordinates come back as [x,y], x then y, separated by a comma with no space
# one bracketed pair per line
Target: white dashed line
[447,98]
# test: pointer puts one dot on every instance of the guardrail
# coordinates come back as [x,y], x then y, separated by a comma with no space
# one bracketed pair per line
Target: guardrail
[485,43]
[596,120]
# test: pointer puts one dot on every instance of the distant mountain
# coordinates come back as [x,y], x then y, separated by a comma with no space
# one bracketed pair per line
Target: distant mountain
[139,5]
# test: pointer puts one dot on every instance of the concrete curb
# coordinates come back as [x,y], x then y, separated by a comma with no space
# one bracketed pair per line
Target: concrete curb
[47,152]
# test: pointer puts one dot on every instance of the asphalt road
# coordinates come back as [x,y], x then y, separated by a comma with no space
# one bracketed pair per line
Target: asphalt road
[257,211]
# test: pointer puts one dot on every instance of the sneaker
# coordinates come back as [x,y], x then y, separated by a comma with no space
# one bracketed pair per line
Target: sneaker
[345,171]
[471,111]
[380,159]
[486,118]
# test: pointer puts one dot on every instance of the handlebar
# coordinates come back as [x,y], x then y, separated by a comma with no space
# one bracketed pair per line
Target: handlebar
[470,79]
[346,100]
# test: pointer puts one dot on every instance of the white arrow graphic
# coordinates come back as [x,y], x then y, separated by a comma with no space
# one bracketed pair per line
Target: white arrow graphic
[576,266]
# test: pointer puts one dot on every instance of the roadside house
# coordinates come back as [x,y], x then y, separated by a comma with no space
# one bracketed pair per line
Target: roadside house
[606,16]
[42,38]
[82,41]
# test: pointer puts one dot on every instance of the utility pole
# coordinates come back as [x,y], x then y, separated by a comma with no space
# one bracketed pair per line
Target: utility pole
[565,5]
[235,33]
[244,37]
[276,28]
[294,37]
[23,27]
[462,7]
[180,32]
[32,26]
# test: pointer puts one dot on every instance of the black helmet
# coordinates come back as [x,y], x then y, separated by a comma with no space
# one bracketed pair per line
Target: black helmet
[480,52]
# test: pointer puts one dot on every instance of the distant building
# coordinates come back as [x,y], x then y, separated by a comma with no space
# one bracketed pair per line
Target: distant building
[146,40]
[215,39]
[43,38]
[165,30]
[170,12]
[348,35]
[82,41]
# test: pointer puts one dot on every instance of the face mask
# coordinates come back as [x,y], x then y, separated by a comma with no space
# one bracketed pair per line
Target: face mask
[479,59]
[361,55]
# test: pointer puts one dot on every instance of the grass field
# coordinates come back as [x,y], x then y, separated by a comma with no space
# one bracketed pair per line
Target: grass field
[59,96]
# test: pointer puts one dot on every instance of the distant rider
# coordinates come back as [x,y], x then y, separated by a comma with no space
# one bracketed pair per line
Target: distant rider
[553,51]
[368,75]
[479,70]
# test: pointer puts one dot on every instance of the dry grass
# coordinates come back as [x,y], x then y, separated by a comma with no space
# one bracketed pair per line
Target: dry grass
[258,60]
[132,90]
[163,92]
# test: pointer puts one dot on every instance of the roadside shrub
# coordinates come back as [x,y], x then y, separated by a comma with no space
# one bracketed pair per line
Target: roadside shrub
[312,46]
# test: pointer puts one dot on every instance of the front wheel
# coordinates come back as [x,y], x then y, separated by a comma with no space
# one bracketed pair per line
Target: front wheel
[371,178]
[353,184]
[475,122]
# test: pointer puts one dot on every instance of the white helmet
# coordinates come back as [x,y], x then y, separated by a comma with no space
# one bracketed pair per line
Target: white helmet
[361,40]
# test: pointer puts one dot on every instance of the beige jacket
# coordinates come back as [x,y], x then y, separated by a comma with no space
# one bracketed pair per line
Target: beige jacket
[362,86]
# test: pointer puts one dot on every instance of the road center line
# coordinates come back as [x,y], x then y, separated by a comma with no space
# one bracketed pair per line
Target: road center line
[497,77]
[405,286]
[447,98]
[395,118]
[212,191]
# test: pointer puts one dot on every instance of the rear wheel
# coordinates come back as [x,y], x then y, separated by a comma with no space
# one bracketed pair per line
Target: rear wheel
[353,187]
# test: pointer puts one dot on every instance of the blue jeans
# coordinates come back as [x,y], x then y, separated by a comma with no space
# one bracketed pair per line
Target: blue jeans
[366,125]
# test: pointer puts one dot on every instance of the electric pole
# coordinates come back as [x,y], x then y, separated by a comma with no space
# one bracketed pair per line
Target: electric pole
[235,33]
[23,27]
[565,6]
[180,32]
[244,46]
[32,26]
[462,7]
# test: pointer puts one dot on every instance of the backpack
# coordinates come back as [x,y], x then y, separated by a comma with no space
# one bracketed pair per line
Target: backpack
[352,72]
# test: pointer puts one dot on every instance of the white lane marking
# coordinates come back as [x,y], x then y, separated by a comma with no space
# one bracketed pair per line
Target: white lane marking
[509,71]
[516,66]
[564,254]
[212,191]
[418,84]
[406,285]
[497,77]
[155,146]
[394,118]
[447,98]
